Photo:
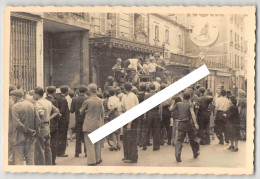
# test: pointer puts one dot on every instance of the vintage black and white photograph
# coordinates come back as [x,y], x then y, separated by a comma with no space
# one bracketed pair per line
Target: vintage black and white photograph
[70,71]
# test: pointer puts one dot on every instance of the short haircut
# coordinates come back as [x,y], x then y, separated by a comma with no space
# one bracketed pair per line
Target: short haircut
[128,87]
[51,89]
[39,90]
[11,88]
[186,95]
[143,87]
[82,89]
[233,100]
[111,92]
[64,89]
[152,86]
[202,90]
[106,94]
[223,92]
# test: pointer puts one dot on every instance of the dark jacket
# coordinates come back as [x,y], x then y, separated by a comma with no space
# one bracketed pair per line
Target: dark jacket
[64,111]
[54,121]
[76,104]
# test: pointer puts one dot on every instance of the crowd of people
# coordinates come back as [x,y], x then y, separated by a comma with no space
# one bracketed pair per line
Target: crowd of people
[40,120]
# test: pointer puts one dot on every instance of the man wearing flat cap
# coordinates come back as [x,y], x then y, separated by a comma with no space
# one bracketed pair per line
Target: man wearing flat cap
[63,123]
[26,124]
[75,107]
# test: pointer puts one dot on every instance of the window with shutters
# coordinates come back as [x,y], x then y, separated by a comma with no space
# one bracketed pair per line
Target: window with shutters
[23,53]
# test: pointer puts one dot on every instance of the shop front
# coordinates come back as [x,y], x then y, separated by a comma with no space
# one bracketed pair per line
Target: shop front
[105,50]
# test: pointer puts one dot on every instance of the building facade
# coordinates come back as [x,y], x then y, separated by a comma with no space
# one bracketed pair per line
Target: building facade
[49,49]
[218,41]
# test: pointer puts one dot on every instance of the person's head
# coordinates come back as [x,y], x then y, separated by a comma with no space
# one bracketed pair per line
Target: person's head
[202,90]
[241,93]
[157,55]
[38,93]
[143,87]
[228,94]
[19,86]
[118,90]
[209,93]
[112,92]
[106,94]
[17,95]
[11,88]
[82,89]
[64,90]
[99,95]
[128,87]
[147,61]
[186,96]
[92,88]
[152,87]
[233,100]
[140,59]
[198,86]
[223,92]
[71,93]
[158,80]
[51,90]
[119,61]
[110,79]
[134,89]
[163,86]
[190,90]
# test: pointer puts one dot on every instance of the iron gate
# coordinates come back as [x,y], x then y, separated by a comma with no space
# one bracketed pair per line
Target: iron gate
[23,53]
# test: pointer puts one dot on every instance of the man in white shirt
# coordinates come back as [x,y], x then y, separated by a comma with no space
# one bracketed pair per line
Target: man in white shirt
[130,100]
[222,105]
[113,105]
[47,112]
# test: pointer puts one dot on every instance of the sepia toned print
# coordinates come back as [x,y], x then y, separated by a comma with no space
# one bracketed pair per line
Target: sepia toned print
[71,70]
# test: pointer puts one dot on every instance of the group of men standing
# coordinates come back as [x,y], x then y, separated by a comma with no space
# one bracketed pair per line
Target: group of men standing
[38,126]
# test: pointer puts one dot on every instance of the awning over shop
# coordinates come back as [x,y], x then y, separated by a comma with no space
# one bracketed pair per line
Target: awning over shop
[112,42]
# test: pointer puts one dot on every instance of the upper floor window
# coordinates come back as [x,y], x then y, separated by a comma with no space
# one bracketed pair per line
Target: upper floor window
[156,33]
[166,35]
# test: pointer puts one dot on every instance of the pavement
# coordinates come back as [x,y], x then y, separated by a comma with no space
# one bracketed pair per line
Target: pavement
[213,155]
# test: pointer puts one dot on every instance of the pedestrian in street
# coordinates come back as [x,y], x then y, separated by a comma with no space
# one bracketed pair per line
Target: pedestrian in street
[222,105]
[175,116]
[140,128]
[63,122]
[242,106]
[113,105]
[130,100]
[76,104]
[166,115]
[233,124]
[93,110]
[110,83]
[26,123]
[11,138]
[53,123]
[47,112]
[185,125]
[203,116]
[152,121]
[69,97]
